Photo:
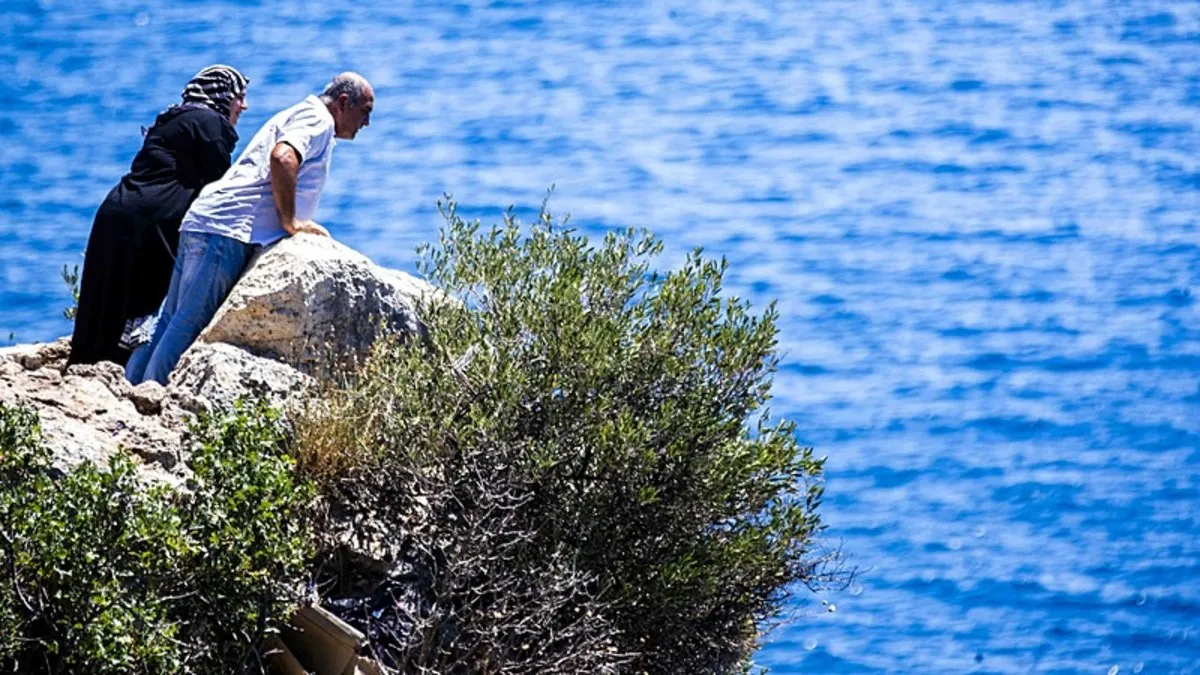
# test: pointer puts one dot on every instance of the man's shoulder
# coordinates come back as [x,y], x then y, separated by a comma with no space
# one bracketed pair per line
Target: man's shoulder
[308,127]
[309,112]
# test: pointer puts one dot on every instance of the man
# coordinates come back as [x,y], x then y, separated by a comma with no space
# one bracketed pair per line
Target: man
[271,192]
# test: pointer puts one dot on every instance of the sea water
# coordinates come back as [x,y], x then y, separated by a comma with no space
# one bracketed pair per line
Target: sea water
[979,220]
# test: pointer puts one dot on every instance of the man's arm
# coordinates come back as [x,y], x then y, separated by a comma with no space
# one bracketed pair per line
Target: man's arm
[285,172]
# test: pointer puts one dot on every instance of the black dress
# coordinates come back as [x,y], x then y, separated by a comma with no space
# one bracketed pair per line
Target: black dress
[130,253]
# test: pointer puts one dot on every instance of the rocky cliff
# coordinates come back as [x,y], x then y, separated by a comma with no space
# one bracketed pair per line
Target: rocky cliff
[305,308]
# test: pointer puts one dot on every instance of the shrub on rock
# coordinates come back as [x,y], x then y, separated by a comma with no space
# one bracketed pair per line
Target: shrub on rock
[102,573]
[576,471]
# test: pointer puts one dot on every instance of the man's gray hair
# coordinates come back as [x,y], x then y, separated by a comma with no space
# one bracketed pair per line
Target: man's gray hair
[351,84]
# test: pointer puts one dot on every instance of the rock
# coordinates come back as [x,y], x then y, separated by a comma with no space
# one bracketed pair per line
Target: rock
[107,373]
[212,376]
[317,305]
[86,415]
[306,308]
[34,356]
[148,397]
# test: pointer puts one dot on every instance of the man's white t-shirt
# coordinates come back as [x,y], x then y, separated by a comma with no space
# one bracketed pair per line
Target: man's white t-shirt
[241,204]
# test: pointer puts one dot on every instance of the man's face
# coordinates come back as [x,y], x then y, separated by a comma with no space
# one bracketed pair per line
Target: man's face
[353,117]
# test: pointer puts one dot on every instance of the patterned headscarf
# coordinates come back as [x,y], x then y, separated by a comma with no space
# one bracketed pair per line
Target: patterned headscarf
[216,87]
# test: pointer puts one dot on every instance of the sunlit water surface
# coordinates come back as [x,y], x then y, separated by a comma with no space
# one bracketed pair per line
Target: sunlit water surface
[979,220]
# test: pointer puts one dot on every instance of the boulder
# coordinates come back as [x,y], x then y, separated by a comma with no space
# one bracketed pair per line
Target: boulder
[89,413]
[210,376]
[316,305]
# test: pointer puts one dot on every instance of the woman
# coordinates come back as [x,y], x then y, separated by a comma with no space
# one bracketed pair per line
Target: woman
[131,250]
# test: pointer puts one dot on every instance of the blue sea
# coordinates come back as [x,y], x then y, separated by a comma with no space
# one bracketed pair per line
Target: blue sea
[979,218]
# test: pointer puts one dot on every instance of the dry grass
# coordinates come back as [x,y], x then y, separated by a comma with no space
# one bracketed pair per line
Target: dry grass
[332,423]
[329,443]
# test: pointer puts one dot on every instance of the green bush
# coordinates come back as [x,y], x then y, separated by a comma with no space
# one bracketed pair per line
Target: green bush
[101,573]
[583,429]
[70,277]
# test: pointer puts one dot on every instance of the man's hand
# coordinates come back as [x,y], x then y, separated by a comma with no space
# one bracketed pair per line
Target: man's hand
[311,227]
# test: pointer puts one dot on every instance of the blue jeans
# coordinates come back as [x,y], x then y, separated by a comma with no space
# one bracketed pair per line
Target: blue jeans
[206,268]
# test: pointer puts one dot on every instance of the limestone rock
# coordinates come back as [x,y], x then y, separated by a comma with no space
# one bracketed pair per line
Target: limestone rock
[87,414]
[211,376]
[314,303]
[34,356]
[148,397]
[307,307]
